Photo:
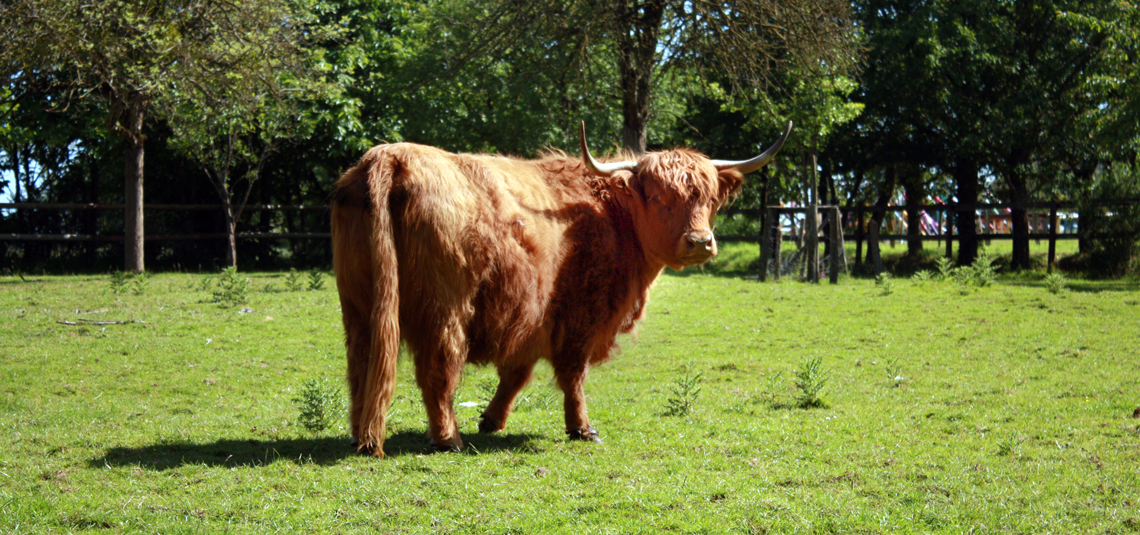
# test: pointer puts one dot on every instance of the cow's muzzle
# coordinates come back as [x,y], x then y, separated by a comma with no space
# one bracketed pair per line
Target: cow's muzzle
[701,246]
[700,240]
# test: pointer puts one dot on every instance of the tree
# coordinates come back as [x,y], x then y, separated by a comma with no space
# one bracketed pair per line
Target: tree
[817,102]
[231,128]
[231,140]
[747,42]
[131,53]
[37,154]
[970,86]
[451,88]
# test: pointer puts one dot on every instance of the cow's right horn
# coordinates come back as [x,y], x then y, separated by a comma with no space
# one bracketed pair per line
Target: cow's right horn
[603,169]
[748,166]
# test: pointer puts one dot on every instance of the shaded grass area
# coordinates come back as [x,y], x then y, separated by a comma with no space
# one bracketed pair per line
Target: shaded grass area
[1001,409]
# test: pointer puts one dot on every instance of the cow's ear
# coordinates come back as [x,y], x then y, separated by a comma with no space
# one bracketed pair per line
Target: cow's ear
[622,185]
[730,181]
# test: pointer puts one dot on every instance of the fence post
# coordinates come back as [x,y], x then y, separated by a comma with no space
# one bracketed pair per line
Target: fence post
[765,243]
[778,245]
[949,232]
[1052,235]
[858,235]
[836,240]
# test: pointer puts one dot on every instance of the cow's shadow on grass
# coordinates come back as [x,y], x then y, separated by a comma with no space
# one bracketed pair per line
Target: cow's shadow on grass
[322,451]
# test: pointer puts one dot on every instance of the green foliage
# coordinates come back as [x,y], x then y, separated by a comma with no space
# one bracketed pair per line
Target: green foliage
[984,273]
[293,281]
[1115,245]
[320,402]
[1055,283]
[920,277]
[945,268]
[811,380]
[683,392]
[885,283]
[139,283]
[206,284]
[215,72]
[120,281]
[773,388]
[232,289]
[316,279]
[1010,444]
[979,274]
[894,372]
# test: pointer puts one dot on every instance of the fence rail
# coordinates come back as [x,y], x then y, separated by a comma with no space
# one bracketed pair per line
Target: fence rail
[163,237]
[953,209]
[947,214]
[156,208]
[748,212]
[944,222]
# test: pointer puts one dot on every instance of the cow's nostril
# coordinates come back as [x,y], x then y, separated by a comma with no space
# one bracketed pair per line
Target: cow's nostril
[700,239]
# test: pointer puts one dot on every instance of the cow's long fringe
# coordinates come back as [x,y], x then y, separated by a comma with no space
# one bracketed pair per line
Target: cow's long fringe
[367,280]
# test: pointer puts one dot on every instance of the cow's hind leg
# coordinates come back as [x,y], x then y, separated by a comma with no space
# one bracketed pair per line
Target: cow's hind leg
[358,342]
[512,378]
[438,369]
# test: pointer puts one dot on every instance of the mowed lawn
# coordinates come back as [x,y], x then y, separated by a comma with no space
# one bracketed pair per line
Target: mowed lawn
[1001,409]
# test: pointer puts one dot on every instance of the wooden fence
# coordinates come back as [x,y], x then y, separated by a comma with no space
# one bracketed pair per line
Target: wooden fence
[859,211]
[160,207]
[853,229]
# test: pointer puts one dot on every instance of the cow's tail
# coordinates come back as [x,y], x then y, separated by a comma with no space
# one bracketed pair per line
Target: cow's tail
[364,258]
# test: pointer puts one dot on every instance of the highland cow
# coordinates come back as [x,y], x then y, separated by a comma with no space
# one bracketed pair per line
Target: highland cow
[492,260]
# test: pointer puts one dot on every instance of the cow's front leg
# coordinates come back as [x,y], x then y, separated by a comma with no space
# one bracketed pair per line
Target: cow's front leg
[512,379]
[572,380]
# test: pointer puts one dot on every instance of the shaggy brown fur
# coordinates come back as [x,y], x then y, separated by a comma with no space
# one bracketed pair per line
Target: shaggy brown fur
[490,260]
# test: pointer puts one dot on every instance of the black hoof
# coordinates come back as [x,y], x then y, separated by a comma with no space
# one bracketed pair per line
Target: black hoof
[588,434]
[444,448]
[487,425]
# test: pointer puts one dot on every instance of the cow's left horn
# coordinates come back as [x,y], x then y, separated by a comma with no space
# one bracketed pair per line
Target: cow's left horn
[603,169]
[748,166]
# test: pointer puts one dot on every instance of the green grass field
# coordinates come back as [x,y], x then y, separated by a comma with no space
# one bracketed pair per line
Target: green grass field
[999,409]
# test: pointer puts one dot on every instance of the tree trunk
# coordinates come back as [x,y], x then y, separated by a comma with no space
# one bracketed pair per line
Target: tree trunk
[1013,170]
[231,229]
[1085,214]
[966,177]
[811,221]
[132,123]
[912,188]
[22,225]
[638,28]
[874,254]
[827,193]
[1019,217]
